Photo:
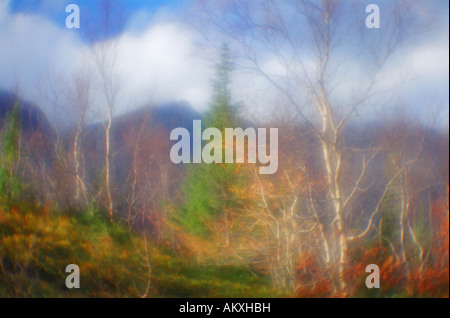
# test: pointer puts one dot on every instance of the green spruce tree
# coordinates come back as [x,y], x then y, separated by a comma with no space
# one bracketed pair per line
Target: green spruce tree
[10,184]
[208,187]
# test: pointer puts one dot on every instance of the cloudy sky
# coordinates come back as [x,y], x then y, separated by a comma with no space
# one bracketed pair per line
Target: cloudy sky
[155,61]
[158,60]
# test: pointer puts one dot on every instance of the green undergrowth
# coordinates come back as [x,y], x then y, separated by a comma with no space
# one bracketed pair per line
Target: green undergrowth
[37,244]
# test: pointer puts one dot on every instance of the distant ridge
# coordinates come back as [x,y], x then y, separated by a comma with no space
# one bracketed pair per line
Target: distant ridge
[169,115]
[32,117]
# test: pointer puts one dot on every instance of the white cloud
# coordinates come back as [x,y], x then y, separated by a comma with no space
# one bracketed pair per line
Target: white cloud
[155,64]
[32,47]
[431,61]
[158,62]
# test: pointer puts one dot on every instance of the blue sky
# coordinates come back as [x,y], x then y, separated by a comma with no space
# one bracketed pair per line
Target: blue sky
[45,6]
[89,9]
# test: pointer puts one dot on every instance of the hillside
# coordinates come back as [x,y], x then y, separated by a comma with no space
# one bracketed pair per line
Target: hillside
[217,230]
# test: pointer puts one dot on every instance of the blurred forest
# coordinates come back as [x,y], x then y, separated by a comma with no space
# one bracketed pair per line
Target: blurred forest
[348,192]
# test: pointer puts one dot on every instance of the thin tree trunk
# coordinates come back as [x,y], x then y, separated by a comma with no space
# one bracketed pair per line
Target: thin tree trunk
[108,168]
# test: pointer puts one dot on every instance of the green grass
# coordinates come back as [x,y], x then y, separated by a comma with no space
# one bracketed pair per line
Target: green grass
[184,278]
